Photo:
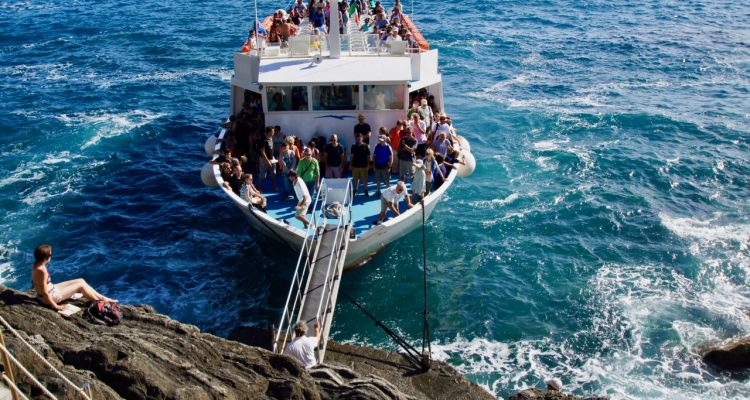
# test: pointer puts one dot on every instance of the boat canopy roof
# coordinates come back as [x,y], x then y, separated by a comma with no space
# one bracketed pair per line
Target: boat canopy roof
[332,71]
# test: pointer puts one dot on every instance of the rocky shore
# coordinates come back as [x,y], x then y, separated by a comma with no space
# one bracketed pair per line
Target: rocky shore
[151,356]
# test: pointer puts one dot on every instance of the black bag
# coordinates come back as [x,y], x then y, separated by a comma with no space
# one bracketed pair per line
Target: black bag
[104,312]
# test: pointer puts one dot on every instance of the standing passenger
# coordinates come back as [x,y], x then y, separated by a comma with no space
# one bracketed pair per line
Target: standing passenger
[309,171]
[334,157]
[360,163]
[363,128]
[382,158]
[303,196]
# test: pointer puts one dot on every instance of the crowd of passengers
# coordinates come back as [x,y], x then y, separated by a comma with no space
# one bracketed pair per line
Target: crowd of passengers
[371,18]
[420,149]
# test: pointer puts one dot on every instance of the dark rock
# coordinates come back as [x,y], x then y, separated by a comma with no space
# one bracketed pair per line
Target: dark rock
[151,356]
[733,356]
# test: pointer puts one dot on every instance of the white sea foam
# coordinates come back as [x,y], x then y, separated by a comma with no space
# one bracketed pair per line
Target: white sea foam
[49,71]
[21,175]
[225,75]
[6,267]
[496,202]
[106,125]
[710,230]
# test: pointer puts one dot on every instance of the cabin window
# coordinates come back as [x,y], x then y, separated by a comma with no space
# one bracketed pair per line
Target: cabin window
[287,98]
[335,97]
[384,97]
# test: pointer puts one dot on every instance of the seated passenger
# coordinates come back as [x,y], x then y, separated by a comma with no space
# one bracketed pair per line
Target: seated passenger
[380,22]
[299,10]
[50,294]
[250,194]
[398,6]
[411,44]
[395,17]
[318,19]
[366,26]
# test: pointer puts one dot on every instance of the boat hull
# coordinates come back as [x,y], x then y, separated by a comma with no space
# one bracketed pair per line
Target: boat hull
[362,248]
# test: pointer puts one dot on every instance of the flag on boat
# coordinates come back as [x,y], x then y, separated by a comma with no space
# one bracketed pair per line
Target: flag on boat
[353,10]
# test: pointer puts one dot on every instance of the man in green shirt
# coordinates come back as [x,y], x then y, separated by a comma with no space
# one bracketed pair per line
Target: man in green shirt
[309,170]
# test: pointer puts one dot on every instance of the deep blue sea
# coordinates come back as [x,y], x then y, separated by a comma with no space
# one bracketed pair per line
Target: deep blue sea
[604,237]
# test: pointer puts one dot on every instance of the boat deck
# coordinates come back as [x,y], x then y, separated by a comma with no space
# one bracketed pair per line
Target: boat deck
[365,210]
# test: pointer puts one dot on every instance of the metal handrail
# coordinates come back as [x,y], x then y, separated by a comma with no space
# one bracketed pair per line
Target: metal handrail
[7,356]
[304,263]
[300,271]
[338,236]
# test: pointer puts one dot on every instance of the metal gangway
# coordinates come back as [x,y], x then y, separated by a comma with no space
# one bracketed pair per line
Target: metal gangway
[315,285]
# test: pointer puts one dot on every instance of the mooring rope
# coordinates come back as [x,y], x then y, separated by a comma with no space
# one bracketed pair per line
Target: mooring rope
[425,322]
[70,383]
[411,353]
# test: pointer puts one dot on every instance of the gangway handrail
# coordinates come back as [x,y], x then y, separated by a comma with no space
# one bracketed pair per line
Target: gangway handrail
[337,239]
[298,278]
[7,356]
[305,262]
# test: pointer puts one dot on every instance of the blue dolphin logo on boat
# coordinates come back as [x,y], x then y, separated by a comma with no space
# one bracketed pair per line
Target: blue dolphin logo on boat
[339,117]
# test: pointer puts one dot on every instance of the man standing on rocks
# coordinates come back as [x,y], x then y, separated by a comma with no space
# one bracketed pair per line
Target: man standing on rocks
[303,346]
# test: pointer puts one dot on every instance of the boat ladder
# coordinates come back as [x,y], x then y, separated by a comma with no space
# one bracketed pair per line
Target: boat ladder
[315,285]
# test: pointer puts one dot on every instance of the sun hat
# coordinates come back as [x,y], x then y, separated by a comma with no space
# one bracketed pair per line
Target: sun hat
[418,163]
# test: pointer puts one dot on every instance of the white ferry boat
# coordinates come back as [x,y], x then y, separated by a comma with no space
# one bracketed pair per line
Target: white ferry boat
[311,83]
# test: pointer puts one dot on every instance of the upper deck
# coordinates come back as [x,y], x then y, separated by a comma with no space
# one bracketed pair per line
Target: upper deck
[306,41]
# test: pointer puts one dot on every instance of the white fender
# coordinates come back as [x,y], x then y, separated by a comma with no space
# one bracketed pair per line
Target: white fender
[210,145]
[207,175]
[470,164]
[464,143]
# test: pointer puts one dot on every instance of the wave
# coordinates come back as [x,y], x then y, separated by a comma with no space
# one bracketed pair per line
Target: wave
[225,75]
[49,71]
[106,125]
[646,322]
[710,230]
[496,202]
[6,266]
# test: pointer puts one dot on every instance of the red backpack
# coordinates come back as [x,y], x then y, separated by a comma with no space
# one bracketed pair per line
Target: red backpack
[104,312]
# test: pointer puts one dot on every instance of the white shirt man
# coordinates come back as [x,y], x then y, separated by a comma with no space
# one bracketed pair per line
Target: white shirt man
[303,346]
[390,198]
[303,196]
